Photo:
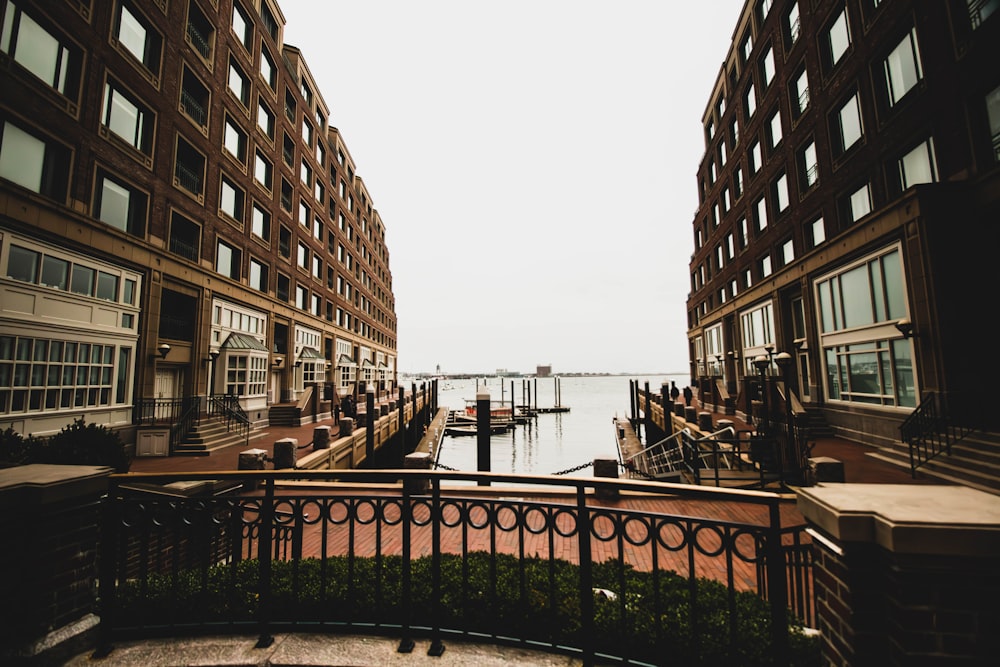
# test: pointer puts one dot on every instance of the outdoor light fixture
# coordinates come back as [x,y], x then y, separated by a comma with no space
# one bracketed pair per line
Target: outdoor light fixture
[782,359]
[905,327]
[212,356]
[277,361]
[298,363]
[163,350]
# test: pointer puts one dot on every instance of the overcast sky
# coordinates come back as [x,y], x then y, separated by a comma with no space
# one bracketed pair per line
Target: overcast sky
[534,164]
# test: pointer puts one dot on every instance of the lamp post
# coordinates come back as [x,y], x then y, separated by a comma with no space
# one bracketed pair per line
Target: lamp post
[761,362]
[718,364]
[784,361]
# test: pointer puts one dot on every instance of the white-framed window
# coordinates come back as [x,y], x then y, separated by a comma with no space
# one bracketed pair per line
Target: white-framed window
[767,67]
[818,229]
[234,140]
[231,199]
[127,118]
[135,34]
[837,39]
[257,276]
[902,68]
[849,128]
[33,162]
[865,358]
[120,205]
[48,56]
[860,203]
[918,166]
[260,222]
[227,260]
[265,120]
[809,165]
[757,327]
[246,375]
[781,193]
[239,84]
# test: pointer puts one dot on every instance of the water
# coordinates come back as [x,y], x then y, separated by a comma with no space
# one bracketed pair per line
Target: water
[551,443]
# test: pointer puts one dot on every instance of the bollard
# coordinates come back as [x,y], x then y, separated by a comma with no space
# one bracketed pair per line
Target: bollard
[284,453]
[826,469]
[705,421]
[346,426]
[606,468]
[252,459]
[321,437]
[417,461]
[691,414]
[679,409]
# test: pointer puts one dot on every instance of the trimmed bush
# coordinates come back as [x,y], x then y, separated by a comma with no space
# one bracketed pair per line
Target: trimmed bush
[531,598]
[78,443]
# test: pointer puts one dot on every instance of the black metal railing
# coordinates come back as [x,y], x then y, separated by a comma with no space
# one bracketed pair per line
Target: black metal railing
[227,408]
[559,572]
[929,432]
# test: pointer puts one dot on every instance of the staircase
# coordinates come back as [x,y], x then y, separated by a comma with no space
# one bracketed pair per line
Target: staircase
[284,414]
[814,423]
[207,435]
[974,461]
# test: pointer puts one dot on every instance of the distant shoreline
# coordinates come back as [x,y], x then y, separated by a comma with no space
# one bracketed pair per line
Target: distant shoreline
[526,376]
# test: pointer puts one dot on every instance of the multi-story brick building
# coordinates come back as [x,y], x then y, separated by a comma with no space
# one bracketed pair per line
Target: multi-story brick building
[178,219]
[849,201]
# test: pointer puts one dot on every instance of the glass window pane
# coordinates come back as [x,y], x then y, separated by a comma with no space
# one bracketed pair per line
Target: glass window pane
[107,286]
[21,157]
[856,292]
[838,38]
[114,206]
[55,272]
[83,280]
[37,50]
[22,264]
[906,395]
[132,34]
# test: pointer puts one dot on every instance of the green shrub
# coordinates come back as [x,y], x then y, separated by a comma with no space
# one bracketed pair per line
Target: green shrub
[480,594]
[78,443]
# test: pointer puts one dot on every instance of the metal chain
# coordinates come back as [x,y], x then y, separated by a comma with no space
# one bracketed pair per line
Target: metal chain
[576,469]
[444,467]
[635,471]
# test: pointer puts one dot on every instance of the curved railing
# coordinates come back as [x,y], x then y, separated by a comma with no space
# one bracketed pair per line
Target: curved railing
[602,569]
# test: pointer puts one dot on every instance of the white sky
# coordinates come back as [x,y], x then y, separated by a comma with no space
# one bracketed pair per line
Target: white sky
[534,164]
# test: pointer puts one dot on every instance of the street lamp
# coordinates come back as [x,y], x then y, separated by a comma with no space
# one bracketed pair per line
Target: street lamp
[784,361]
[761,362]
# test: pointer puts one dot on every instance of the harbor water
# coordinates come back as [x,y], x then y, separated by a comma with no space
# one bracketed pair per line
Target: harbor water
[550,443]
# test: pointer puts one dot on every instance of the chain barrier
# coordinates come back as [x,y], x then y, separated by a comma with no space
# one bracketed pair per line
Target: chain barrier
[628,467]
[576,469]
[444,467]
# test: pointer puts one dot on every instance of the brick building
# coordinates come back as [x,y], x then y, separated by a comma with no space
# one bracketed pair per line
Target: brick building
[178,218]
[849,197]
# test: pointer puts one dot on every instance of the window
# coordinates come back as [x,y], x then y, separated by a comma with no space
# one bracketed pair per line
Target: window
[195,99]
[918,166]
[307,132]
[234,140]
[767,67]
[993,116]
[319,191]
[242,27]
[127,118]
[754,159]
[239,85]
[765,266]
[902,68]
[267,71]
[120,205]
[32,162]
[307,93]
[734,131]
[262,171]
[818,231]
[189,167]
[301,297]
[40,52]
[781,193]
[231,199]
[774,126]
[808,165]
[227,260]
[246,375]
[760,209]
[875,367]
[200,31]
[282,287]
[744,232]
[980,10]
[738,182]
[270,24]
[260,222]
[134,33]
[286,196]
[258,275]
[320,153]
[265,120]
[746,48]
[317,267]
[82,280]
[750,102]
[787,252]
[837,39]
[289,105]
[849,128]
[303,256]
[860,203]
[304,213]
[284,242]
[185,237]
[730,248]
[305,174]
[800,93]
[793,27]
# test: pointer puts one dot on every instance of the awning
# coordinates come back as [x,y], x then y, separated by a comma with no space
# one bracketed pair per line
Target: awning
[241,341]
[346,362]
[310,353]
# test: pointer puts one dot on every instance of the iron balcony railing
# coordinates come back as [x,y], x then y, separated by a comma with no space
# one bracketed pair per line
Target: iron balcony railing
[682,572]
[929,432]
[227,408]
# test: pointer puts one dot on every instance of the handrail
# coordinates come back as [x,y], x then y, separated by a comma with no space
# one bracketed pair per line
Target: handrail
[228,407]
[929,432]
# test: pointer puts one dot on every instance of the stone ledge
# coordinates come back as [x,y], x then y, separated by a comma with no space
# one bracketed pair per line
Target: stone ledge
[42,483]
[907,519]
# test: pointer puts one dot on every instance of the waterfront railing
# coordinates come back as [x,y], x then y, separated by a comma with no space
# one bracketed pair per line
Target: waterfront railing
[606,570]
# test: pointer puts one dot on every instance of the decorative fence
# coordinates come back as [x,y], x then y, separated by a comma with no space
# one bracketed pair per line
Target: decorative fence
[608,570]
